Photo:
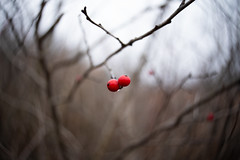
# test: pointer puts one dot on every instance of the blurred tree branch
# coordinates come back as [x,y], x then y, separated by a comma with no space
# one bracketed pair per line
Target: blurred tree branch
[39,17]
[66,63]
[48,77]
[50,30]
[26,69]
[169,125]
[86,42]
[6,151]
[20,41]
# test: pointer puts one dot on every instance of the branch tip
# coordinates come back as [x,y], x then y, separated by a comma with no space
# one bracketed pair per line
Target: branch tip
[84,10]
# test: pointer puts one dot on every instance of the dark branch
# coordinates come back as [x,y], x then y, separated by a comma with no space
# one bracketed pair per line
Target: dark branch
[183,2]
[84,11]
[39,17]
[51,29]
[48,78]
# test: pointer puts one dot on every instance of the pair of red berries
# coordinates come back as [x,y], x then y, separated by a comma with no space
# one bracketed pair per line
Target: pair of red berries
[114,84]
[210,116]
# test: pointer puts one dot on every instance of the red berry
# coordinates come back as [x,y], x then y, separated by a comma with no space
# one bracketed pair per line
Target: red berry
[124,81]
[210,116]
[151,72]
[113,85]
[78,78]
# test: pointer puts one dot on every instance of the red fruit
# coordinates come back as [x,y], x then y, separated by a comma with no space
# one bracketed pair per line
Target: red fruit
[78,78]
[151,72]
[210,117]
[124,81]
[113,85]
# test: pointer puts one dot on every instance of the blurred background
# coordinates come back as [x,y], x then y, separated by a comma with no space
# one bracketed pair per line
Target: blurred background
[183,101]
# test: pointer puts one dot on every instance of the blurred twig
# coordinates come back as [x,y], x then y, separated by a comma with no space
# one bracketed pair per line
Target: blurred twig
[34,142]
[14,31]
[66,63]
[26,69]
[223,135]
[169,125]
[48,77]
[235,123]
[39,17]
[50,30]
[40,39]
[86,42]
[6,151]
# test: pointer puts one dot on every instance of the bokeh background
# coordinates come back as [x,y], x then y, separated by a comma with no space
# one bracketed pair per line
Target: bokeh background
[54,101]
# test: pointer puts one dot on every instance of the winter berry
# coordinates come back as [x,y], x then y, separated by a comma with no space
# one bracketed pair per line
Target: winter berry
[124,81]
[78,78]
[151,72]
[113,85]
[210,116]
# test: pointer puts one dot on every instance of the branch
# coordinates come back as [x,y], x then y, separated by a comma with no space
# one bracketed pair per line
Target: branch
[25,69]
[39,17]
[130,43]
[50,30]
[6,151]
[66,63]
[235,123]
[48,78]
[84,11]
[191,77]
[169,125]
[20,42]
[86,42]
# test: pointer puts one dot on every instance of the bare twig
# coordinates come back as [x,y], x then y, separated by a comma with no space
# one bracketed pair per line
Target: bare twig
[223,132]
[39,17]
[51,29]
[20,42]
[183,2]
[190,77]
[26,69]
[84,11]
[6,151]
[35,141]
[130,43]
[235,123]
[48,78]
[86,43]
[66,63]
[169,125]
